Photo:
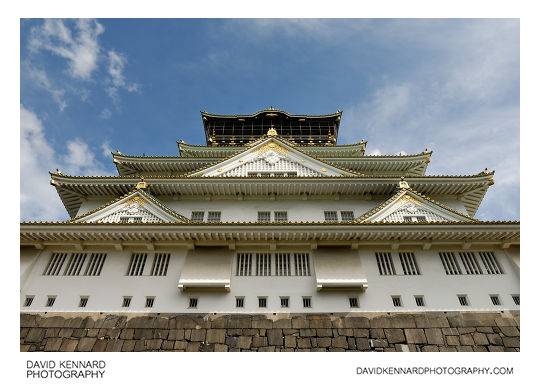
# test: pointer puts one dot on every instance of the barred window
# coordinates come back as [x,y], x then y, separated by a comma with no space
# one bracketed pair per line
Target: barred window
[385,264]
[75,264]
[30,298]
[239,301]
[414,218]
[263,216]
[284,301]
[306,301]
[396,301]
[330,216]
[449,263]
[262,301]
[126,301]
[301,264]
[136,265]
[193,302]
[214,216]
[490,262]
[515,298]
[419,299]
[470,263]
[55,264]
[263,264]
[243,264]
[149,302]
[280,216]
[197,216]
[347,216]
[408,263]
[283,264]
[95,264]
[160,264]
[130,219]
[50,301]
[353,302]
[463,301]
[83,301]
[495,300]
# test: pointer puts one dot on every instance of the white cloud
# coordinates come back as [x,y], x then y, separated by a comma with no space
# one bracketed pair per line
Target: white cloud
[41,80]
[117,62]
[107,149]
[105,114]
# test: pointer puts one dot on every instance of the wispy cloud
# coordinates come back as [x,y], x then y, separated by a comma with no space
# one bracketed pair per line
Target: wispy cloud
[41,79]
[117,62]
[105,114]
[107,149]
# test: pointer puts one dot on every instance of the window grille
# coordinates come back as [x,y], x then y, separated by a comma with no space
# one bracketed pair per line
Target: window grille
[243,264]
[283,264]
[301,264]
[126,301]
[414,218]
[515,297]
[149,302]
[490,262]
[214,216]
[495,300]
[197,216]
[263,264]
[470,263]
[419,299]
[83,301]
[463,301]
[306,301]
[263,216]
[131,219]
[29,299]
[330,216]
[353,302]
[347,216]
[55,264]
[75,264]
[408,263]
[262,301]
[385,264]
[50,301]
[160,264]
[193,302]
[284,301]
[280,216]
[449,263]
[407,219]
[396,301]
[95,264]
[239,301]
[136,266]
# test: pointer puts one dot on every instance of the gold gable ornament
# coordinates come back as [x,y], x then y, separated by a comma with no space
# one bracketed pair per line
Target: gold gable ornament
[142,184]
[403,184]
[272,131]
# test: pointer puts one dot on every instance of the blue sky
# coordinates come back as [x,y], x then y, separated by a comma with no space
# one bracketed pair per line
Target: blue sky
[92,86]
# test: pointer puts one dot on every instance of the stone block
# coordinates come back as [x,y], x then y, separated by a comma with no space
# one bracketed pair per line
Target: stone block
[239,323]
[160,333]
[452,340]
[53,344]
[324,342]
[394,336]
[144,322]
[128,346]
[283,323]
[480,339]
[267,349]
[143,334]
[320,323]
[434,336]
[307,332]
[29,320]
[450,331]
[509,331]
[379,343]
[345,332]
[243,342]
[381,322]
[78,333]
[479,348]
[430,348]
[494,339]
[52,322]
[220,348]
[362,333]
[484,329]
[351,342]
[324,333]
[51,332]
[180,345]
[193,347]
[250,332]
[290,341]
[464,348]
[466,339]
[259,341]
[263,323]
[300,323]
[65,332]
[304,343]
[495,348]
[114,346]
[288,332]
[447,349]
[317,350]
[68,345]
[505,322]
[198,335]
[354,322]
[341,342]
[234,332]
[275,337]
[114,321]
[336,349]
[428,321]
[100,346]
[215,336]
[86,344]
[376,333]
[219,323]
[161,323]
[127,334]
[35,335]
[167,345]
[415,336]
[23,332]
[511,342]
[139,346]
[466,330]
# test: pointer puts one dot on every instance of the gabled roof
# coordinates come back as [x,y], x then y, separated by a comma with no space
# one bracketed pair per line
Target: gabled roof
[147,205]
[408,200]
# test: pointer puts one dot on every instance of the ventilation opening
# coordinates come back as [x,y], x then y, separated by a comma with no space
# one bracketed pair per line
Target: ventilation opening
[83,301]
[419,299]
[347,216]
[55,264]
[263,264]
[495,300]
[95,264]
[353,302]
[283,264]
[126,301]
[301,264]
[193,302]
[396,301]
[490,262]
[239,301]
[149,302]
[243,264]
[197,216]
[75,264]
[284,301]
[28,301]
[408,263]
[330,216]
[136,265]
[306,301]
[516,299]
[263,216]
[131,219]
[160,264]
[280,216]
[449,263]
[463,301]
[274,173]
[262,301]
[214,216]
[385,264]
[470,263]
[50,301]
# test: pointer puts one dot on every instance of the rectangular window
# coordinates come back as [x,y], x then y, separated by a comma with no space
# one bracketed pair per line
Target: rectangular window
[214,216]
[419,299]
[262,301]
[463,301]
[470,263]
[50,301]
[347,216]
[193,302]
[55,264]
[283,264]
[243,264]
[330,216]
[160,264]
[306,301]
[263,216]
[449,263]
[136,265]
[126,301]
[495,300]
[83,301]
[131,219]
[75,264]
[197,216]
[280,216]
[515,297]
[353,302]
[95,264]
[149,302]
[490,262]
[30,298]
[408,263]
[301,264]
[407,219]
[385,264]
[284,301]
[396,301]
[263,264]
[239,301]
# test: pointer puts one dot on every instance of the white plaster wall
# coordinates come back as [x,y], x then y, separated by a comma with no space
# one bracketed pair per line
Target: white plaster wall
[106,291]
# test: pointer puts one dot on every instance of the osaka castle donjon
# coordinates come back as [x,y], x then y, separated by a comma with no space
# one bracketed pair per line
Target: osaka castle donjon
[271,215]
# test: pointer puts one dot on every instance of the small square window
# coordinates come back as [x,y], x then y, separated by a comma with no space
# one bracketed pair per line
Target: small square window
[347,216]
[353,302]
[149,302]
[419,299]
[306,301]
[262,301]
[263,216]
[83,301]
[239,301]
[463,301]
[280,216]
[284,301]
[396,301]
[515,297]
[197,216]
[330,216]
[50,301]
[126,301]
[28,301]
[495,300]
[193,302]
[214,216]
